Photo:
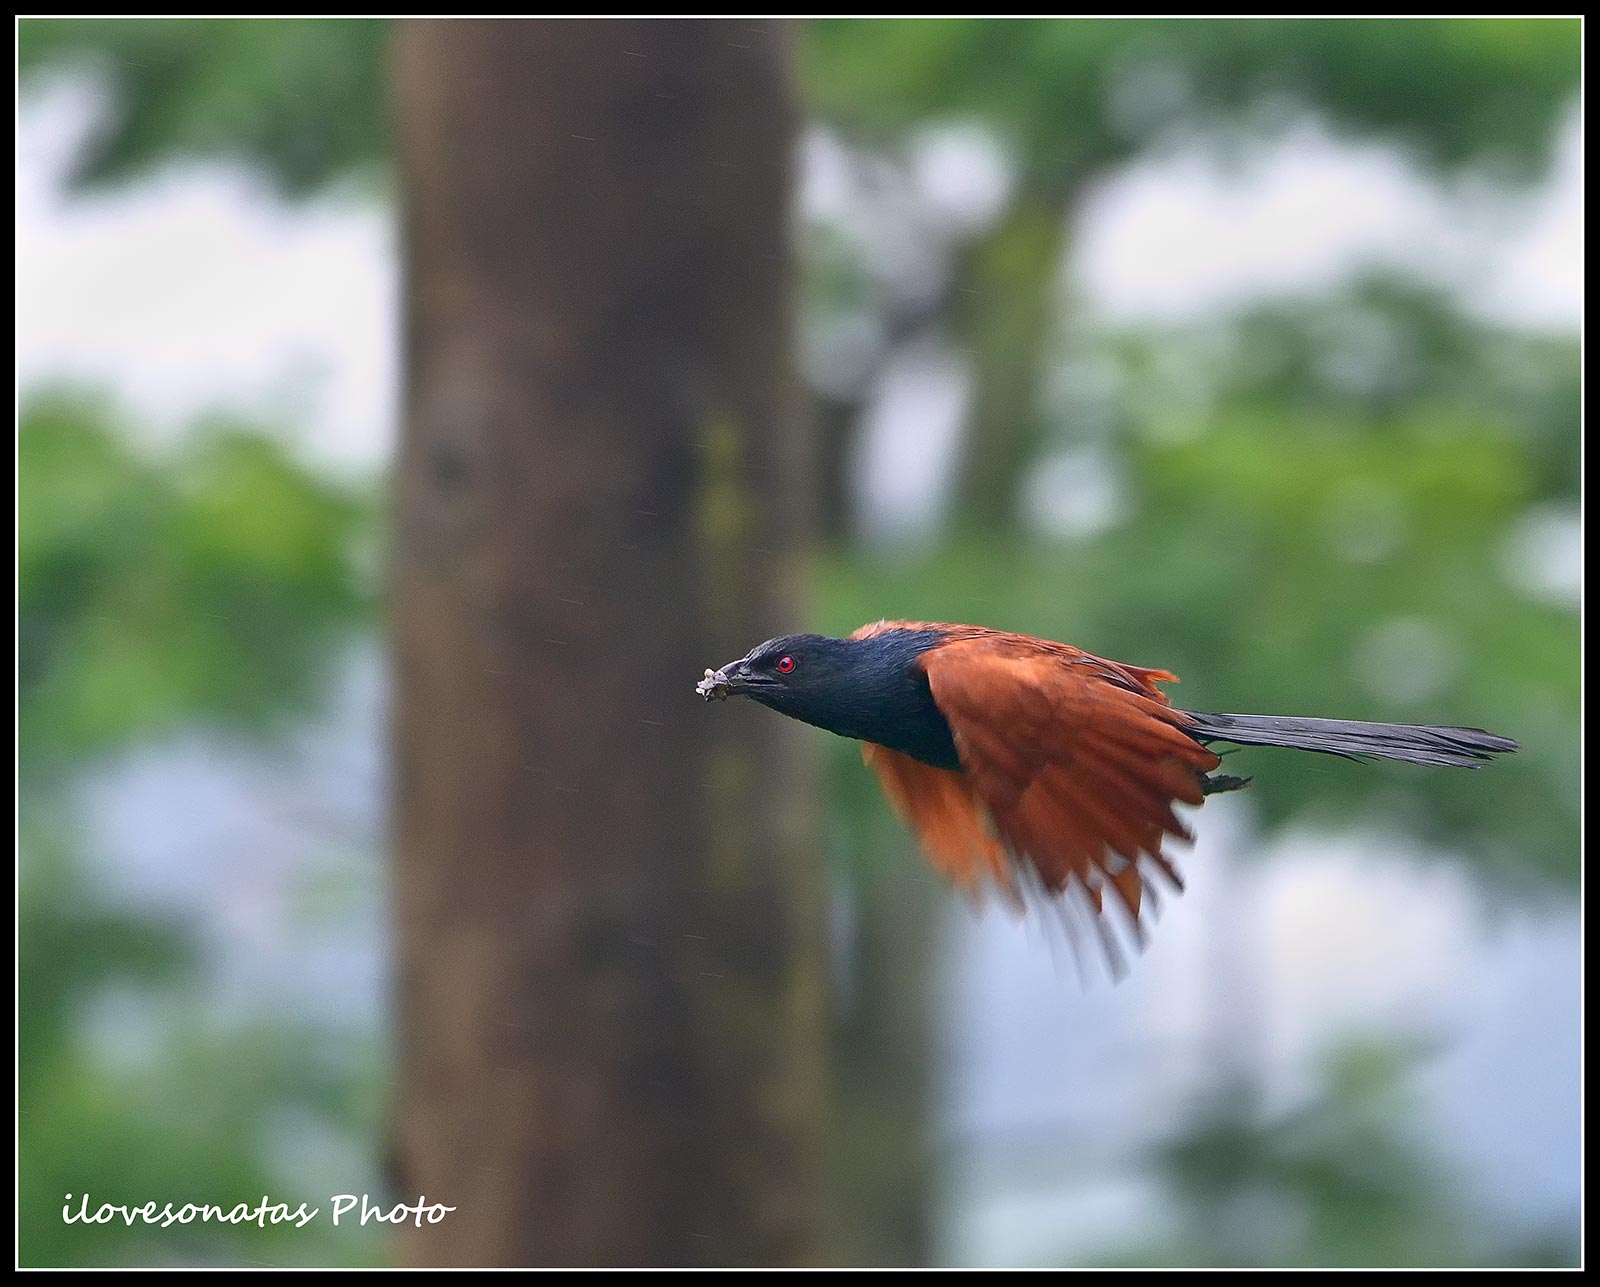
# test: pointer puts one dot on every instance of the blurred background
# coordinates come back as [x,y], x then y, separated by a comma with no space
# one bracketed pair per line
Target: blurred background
[1246,349]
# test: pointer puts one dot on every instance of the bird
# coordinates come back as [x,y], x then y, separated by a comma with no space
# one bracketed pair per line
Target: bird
[1027,767]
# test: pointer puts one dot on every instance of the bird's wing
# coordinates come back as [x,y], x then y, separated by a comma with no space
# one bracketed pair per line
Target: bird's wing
[939,805]
[1077,760]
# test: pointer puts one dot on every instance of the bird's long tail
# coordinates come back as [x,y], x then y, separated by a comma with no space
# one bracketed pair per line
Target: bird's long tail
[1354,739]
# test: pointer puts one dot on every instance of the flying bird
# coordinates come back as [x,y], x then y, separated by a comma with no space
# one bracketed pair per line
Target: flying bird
[1027,765]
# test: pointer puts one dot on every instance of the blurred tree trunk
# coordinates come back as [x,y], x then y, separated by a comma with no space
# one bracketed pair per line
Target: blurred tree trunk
[609,976]
[881,1177]
[1009,298]
[836,421]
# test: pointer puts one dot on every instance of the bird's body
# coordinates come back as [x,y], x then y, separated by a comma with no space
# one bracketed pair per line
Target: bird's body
[1025,763]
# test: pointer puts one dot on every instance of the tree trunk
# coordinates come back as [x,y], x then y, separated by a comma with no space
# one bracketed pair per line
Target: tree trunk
[881,1178]
[609,976]
[835,423]
[1010,297]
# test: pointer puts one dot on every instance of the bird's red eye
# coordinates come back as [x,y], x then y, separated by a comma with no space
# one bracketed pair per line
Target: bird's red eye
[785,664]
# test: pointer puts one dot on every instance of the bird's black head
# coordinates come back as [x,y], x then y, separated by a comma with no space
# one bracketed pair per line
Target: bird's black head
[870,689]
[793,674]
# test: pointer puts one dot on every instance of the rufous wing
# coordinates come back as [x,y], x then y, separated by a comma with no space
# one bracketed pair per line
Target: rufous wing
[948,818]
[1077,760]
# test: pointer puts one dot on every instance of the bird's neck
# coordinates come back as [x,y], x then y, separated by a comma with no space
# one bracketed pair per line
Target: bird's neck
[886,699]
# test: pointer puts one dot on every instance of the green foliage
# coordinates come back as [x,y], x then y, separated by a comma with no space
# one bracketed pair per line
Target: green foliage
[1073,98]
[177,1107]
[300,99]
[152,592]
[203,583]
[197,1123]
[1380,348]
[59,920]
[1073,94]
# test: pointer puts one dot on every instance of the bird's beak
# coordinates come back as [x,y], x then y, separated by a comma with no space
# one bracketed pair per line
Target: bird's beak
[732,679]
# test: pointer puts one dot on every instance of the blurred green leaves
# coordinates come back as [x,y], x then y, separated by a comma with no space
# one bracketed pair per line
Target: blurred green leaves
[302,99]
[299,100]
[213,1116]
[1070,100]
[206,582]
[1074,94]
[202,583]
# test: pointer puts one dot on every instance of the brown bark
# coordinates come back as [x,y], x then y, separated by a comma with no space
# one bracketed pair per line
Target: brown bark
[609,982]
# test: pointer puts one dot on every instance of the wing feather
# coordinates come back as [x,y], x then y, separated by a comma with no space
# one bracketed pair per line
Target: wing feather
[1078,761]
[938,804]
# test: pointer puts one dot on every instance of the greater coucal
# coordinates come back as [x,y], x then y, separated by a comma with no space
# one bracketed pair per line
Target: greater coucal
[1025,763]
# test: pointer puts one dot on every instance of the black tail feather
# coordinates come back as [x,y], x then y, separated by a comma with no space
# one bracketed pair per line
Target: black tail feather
[1355,739]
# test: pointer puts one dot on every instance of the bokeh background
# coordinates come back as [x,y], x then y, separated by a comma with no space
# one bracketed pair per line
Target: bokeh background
[1248,349]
